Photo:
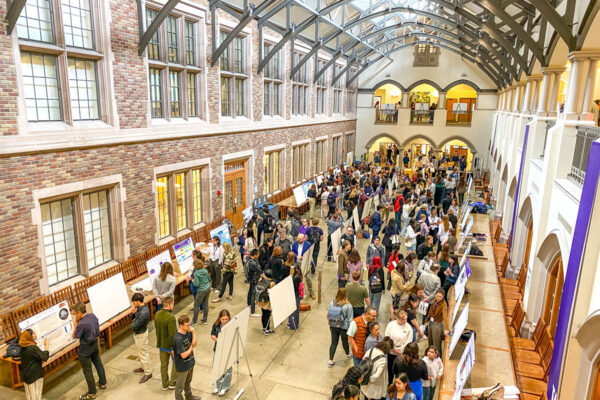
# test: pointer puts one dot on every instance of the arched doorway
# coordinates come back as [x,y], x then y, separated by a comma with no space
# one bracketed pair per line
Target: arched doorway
[460,103]
[423,100]
[552,296]
[380,145]
[415,148]
[457,149]
[509,208]
[387,100]
[521,251]
[502,192]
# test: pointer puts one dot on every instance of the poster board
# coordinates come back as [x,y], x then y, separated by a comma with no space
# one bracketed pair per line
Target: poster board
[422,107]
[247,214]
[153,264]
[145,285]
[367,208]
[456,308]
[227,346]
[222,232]
[335,242]
[459,327]
[183,253]
[356,219]
[299,195]
[349,158]
[109,297]
[348,223]
[306,260]
[283,301]
[469,185]
[464,367]
[55,324]
[465,231]
[306,186]
[461,283]
[463,259]
[459,108]
[320,179]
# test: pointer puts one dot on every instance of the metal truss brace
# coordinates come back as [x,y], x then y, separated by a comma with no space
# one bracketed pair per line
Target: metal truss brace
[151,30]
[13,11]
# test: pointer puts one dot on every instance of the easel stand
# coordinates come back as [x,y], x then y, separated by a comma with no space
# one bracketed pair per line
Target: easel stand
[238,338]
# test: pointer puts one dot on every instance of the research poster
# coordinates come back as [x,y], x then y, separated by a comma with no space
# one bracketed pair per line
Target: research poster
[356,219]
[464,367]
[222,232]
[335,242]
[183,253]
[231,343]
[54,324]
[306,186]
[247,214]
[299,195]
[461,324]
[153,264]
[283,301]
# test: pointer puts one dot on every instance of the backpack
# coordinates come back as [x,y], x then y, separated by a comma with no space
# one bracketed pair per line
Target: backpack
[375,284]
[334,315]
[295,229]
[13,350]
[331,200]
[271,223]
[263,297]
[314,236]
[411,214]
[193,289]
[397,301]
[261,289]
[366,366]
[371,221]
[475,251]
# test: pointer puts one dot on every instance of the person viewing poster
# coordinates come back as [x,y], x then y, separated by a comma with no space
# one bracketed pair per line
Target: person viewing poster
[54,324]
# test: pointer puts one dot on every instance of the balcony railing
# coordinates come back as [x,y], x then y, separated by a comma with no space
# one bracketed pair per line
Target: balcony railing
[583,142]
[549,124]
[459,119]
[386,116]
[421,117]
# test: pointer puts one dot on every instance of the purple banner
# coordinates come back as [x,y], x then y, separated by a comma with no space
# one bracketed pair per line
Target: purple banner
[516,208]
[580,236]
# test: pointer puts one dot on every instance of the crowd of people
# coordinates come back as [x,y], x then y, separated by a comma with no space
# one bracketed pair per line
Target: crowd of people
[411,259]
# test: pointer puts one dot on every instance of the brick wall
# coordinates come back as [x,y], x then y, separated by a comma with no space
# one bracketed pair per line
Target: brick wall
[8,77]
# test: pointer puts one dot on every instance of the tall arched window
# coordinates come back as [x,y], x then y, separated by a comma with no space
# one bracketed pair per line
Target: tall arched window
[554,286]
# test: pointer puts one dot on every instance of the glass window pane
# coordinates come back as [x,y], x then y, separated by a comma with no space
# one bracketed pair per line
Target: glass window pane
[96,215]
[225,56]
[267,98]
[156,93]
[239,96]
[77,20]
[190,43]
[83,89]
[40,79]
[162,200]
[154,44]
[192,99]
[35,21]
[174,94]
[197,195]
[60,240]
[181,202]
[172,39]
[238,48]
[225,91]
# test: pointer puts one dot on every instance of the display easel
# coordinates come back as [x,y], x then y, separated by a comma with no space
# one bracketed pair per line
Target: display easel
[238,338]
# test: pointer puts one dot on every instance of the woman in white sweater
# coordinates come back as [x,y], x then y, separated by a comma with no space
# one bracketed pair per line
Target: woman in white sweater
[376,388]
[164,284]
[401,334]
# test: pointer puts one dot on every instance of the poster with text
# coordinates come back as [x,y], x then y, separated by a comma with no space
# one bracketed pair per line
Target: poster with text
[153,264]
[461,324]
[54,324]
[223,233]
[183,253]
[283,301]
[465,365]
[356,219]
[335,242]
[306,186]
[230,346]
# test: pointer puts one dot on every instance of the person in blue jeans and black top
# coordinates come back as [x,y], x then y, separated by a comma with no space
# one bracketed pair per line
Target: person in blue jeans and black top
[254,273]
[87,330]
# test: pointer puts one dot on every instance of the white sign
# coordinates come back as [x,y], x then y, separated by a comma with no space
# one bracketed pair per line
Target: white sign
[153,264]
[335,242]
[356,219]
[320,179]
[109,298]
[222,232]
[465,232]
[367,208]
[54,324]
[230,347]
[461,324]
[306,260]
[183,253]
[299,195]
[247,214]
[461,282]
[464,367]
[456,308]
[145,285]
[463,221]
[283,300]
[459,108]
[463,259]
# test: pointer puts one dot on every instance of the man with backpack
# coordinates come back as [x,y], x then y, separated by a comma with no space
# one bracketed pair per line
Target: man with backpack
[375,249]
[315,236]
[358,332]
[375,222]
[268,226]
[332,202]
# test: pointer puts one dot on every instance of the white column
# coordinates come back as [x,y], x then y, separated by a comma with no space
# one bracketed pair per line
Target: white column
[542,107]
[405,100]
[535,93]
[511,98]
[552,105]
[527,96]
[442,101]
[570,111]
[517,98]
[590,84]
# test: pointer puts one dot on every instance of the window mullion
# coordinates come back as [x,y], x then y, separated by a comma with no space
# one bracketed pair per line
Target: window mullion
[63,87]
[81,237]
[172,204]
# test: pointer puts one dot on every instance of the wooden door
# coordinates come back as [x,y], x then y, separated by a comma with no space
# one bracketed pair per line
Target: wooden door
[554,286]
[470,105]
[596,390]
[450,116]
[235,192]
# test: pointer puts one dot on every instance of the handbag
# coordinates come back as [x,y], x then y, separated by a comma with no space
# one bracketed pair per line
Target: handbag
[496,392]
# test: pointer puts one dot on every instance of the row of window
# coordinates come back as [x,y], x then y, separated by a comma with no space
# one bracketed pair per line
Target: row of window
[64,69]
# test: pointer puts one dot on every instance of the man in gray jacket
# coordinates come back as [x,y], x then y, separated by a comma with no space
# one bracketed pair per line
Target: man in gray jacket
[430,281]
[139,323]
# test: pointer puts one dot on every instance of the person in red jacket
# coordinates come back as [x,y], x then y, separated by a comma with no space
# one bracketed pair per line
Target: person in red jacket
[398,203]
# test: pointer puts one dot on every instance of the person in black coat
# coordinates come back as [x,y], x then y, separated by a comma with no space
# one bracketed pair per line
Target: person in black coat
[32,358]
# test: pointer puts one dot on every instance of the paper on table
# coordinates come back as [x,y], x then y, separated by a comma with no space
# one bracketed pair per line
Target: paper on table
[145,285]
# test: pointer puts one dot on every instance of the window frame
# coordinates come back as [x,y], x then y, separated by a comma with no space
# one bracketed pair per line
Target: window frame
[273,82]
[300,162]
[320,156]
[300,87]
[234,76]
[269,171]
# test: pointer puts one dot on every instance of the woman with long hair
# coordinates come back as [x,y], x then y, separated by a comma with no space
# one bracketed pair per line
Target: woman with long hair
[288,265]
[410,237]
[411,364]
[201,281]
[249,245]
[400,389]
[339,316]
[444,261]
[164,284]
[353,377]
[376,387]
[229,266]
[374,337]
[224,382]
[354,263]
[411,311]
[276,264]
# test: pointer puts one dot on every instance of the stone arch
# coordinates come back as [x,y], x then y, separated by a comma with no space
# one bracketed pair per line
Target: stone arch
[551,246]
[388,81]
[381,136]
[521,234]
[526,210]
[463,82]
[462,139]
[424,81]
[414,137]
[589,341]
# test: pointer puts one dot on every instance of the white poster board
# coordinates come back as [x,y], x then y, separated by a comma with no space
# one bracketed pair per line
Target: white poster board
[227,347]
[306,186]
[469,184]
[465,232]
[299,195]
[356,219]
[145,285]
[461,283]
[54,324]
[283,301]
[306,260]
[456,308]
[367,208]
[247,214]
[108,298]
[464,367]
[422,106]
[183,253]
[350,157]
[459,108]
[320,179]
[222,232]
[461,324]
[463,259]
[153,264]
[335,242]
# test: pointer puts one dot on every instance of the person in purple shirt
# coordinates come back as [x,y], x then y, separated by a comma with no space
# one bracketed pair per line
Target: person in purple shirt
[304,227]
[87,330]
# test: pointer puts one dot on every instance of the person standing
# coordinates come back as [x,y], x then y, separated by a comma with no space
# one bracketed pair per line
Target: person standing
[184,342]
[415,368]
[139,324]
[224,382]
[339,316]
[164,284]
[400,389]
[437,320]
[374,335]
[358,296]
[229,266]
[315,236]
[294,319]
[386,201]
[31,368]
[216,260]
[349,236]
[343,264]
[312,200]
[285,244]
[376,282]
[254,273]
[87,331]
[375,249]
[358,332]
[435,369]
[377,222]
[402,334]
[201,281]
[376,387]
[165,327]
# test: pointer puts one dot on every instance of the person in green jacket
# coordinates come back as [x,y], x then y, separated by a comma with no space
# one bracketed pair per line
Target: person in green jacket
[165,325]
[31,364]
[201,281]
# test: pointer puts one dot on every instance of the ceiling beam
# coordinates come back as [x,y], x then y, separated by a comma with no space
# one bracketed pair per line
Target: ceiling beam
[13,13]
[557,22]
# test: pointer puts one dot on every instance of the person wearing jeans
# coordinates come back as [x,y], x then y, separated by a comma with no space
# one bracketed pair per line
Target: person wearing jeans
[87,330]
[229,265]
[339,316]
[254,273]
[165,328]
[202,283]
[183,356]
